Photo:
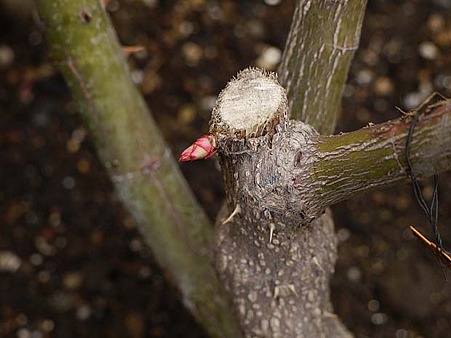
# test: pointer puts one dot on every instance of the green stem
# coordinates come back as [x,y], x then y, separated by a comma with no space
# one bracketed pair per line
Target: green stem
[146,177]
[323,38]
[374,157]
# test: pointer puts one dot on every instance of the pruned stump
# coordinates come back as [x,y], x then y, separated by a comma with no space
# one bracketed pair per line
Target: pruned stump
[275,252]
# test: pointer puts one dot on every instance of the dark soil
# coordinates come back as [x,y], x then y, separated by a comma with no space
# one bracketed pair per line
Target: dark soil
[72,263]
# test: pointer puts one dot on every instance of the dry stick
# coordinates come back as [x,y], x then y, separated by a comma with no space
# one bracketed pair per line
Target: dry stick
[443,254]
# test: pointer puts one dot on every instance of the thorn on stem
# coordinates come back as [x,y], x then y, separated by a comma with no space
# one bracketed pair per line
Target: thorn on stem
[233,214]
[128,50]
[284,291]
[315,261]
[272,226]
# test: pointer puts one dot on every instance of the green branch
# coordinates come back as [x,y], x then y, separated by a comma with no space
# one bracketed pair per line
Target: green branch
[374,157]
[146,177]
[323,38]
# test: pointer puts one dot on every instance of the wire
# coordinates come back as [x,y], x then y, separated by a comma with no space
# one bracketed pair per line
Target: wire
[431,210]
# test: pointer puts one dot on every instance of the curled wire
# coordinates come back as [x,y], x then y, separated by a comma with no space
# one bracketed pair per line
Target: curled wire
[431,210]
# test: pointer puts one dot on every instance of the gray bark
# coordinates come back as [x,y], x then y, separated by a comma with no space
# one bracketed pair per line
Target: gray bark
[274,240]
[275,261]
[323,38]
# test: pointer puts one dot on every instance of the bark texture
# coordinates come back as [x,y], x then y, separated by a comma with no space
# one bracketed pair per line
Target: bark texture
[145,175]
[278,273]
[319,49]
[274,260]
[342,166]
[276,246]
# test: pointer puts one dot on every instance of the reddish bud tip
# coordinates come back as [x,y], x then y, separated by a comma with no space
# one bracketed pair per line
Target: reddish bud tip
[203,147]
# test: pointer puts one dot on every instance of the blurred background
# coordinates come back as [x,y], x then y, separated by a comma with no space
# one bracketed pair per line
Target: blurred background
[72,263]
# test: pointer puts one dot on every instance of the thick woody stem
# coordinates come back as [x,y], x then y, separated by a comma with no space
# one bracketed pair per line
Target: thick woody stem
[250,110]
[303,173]
[275,243]
[274,261]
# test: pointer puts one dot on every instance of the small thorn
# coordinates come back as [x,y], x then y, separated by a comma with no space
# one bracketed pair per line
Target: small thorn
[128,50]
[292,289]
[284,291]
[235,212]
[271,231]
[315,261]
[327,314]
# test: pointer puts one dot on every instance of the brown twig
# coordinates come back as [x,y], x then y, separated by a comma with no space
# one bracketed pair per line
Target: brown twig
[444,256]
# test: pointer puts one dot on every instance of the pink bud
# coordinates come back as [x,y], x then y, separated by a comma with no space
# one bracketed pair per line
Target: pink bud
[203,147]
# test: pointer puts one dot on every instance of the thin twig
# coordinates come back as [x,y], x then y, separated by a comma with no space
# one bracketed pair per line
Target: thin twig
[443,255]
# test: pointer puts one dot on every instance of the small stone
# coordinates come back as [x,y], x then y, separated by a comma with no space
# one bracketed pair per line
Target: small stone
[83,312]
[364,77]
[272,2]
[72,280]
[379,318]
[6,56]
[9,261]
[428,50]
[192,53]
[383,86]
[186,114]
[269,58]
[436,22]
[373,305]
[354,274]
